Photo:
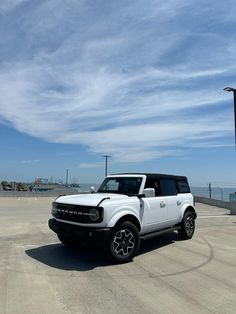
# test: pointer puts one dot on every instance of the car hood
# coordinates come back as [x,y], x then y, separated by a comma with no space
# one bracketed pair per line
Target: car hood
[92,199]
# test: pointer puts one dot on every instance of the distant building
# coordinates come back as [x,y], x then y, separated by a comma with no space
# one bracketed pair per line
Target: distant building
[41,181]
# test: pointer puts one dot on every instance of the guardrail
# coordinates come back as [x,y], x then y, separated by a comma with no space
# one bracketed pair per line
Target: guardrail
[53,193]
[212,202]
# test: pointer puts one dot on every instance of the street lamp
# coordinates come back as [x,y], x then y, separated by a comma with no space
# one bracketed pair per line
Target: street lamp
[106,156]
[231,89]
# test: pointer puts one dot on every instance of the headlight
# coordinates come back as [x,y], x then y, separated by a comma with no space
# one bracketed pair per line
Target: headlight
[54,209]
[94,214]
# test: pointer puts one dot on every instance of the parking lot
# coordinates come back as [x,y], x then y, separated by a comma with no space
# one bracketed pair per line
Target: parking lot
[39,275]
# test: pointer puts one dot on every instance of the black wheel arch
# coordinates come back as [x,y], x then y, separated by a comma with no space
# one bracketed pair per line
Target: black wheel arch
[192,210]
[129,218]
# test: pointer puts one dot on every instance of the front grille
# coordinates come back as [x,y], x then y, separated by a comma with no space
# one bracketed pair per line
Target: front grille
[76,213]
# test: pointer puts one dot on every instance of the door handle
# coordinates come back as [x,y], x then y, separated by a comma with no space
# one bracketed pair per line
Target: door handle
[162,204]
[178,202]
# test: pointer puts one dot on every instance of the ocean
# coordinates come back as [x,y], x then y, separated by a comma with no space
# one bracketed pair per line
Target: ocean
[218,193]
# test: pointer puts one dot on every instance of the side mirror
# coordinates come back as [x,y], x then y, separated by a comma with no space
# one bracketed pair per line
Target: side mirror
[149,192]
[92,189]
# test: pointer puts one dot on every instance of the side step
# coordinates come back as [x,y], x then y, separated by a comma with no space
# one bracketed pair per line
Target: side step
[156,233]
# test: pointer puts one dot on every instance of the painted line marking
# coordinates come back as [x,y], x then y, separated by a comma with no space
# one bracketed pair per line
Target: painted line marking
[215,216]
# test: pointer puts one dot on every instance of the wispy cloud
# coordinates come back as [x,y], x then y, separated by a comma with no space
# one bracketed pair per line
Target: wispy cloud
[93,165]
[8,5]
[29,161]
[131,86]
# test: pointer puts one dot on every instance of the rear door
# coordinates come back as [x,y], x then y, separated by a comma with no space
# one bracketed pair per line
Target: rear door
[168,189]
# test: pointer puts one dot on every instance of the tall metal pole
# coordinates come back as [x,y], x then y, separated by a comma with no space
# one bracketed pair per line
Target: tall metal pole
[67,171]
[235,117]
[209,190]
[106,158]
[231,89]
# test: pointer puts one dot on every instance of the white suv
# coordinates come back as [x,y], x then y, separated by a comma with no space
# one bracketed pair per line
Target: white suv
[125,209]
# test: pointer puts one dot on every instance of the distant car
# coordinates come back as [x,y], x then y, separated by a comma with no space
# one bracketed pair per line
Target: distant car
[7,188]
[126,208]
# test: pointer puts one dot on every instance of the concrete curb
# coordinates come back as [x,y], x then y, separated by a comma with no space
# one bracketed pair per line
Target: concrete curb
[212,202]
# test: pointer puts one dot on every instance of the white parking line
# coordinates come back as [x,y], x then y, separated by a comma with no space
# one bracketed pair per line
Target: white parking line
[214,216]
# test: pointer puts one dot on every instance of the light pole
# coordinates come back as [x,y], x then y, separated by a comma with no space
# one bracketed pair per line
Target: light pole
[106,157]
[231,89]
[67,171]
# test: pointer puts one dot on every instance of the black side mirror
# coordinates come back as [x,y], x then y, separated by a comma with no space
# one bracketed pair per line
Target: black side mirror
[141,195]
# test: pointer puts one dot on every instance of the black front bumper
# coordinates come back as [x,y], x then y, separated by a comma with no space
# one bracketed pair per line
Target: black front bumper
[94,235]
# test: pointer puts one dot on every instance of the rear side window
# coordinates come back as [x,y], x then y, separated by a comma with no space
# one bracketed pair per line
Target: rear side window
[168,187]
[183,187]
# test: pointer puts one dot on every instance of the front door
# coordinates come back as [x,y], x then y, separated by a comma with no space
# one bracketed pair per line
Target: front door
[155,213]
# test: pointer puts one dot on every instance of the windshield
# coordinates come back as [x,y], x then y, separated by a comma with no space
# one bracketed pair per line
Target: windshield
[121,185]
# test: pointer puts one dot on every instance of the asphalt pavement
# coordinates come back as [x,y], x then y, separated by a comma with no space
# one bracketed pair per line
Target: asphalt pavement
[40,275]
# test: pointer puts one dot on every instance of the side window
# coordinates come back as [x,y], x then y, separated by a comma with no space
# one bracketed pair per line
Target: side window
[168,187]
[183,187]
[154,184]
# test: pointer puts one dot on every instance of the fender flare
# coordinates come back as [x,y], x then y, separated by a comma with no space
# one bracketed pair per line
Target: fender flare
[124,213]
[188,207]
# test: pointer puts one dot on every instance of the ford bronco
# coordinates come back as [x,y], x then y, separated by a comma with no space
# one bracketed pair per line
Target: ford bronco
[125,209]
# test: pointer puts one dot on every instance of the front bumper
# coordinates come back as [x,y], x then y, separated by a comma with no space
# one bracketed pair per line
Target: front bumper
[94,235]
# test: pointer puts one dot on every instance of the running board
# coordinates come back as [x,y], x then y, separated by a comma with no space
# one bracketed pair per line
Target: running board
[156,233]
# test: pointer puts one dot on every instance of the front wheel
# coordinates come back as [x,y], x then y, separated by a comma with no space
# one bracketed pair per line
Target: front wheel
[124,242]
[187,226]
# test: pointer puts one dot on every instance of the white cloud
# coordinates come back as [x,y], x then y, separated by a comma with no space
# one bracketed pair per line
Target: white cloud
[134,91]
[29,161]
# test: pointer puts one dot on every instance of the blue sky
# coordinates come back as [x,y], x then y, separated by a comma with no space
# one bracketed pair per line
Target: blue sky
[139,80]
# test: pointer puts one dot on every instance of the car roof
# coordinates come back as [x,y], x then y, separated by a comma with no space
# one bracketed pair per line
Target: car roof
[154,175]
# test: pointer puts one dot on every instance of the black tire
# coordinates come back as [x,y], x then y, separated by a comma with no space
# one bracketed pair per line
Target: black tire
[67,241]
[187,226]
[124,242]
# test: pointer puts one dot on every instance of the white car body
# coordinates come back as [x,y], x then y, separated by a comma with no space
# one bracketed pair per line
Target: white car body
[153,213]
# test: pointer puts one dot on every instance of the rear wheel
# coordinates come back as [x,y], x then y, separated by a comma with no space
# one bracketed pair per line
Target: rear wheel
[124,242]
[187,226]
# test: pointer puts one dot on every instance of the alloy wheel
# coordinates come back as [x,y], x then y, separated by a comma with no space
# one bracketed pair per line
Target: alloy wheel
[189,224]
[124,242]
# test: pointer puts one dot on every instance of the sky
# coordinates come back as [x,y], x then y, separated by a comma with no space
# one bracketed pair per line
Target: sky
[141,81]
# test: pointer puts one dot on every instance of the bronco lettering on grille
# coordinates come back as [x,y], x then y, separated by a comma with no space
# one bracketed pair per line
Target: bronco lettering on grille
[67,211]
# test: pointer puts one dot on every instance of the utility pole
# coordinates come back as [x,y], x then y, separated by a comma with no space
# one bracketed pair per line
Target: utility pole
[106,158]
